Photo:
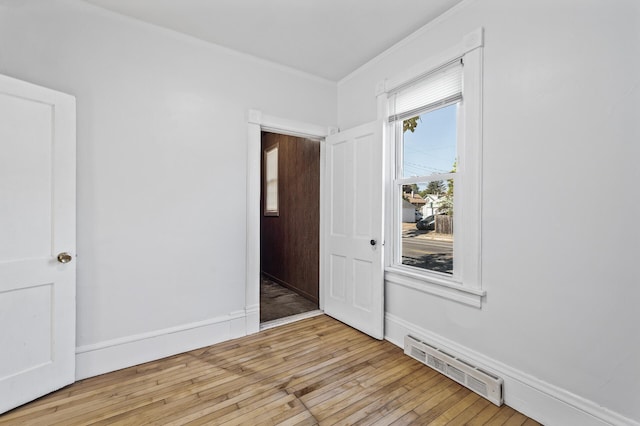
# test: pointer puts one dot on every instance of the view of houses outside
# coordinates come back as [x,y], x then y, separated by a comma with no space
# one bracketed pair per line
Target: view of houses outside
[429,150]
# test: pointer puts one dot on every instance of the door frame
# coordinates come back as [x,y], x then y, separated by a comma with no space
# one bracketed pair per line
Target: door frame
[257,123]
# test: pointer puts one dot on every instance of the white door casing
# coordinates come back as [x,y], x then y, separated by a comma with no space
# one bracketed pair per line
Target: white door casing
[257,123]
[37,223]
[353,270]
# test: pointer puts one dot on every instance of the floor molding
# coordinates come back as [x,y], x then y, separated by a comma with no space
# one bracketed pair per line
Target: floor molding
[537,399]
[115,354]
[290,286]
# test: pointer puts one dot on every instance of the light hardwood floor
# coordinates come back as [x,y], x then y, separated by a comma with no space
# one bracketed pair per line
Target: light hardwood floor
[315,371]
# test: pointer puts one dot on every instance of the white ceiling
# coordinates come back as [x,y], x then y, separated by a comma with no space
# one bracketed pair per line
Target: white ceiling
[327,38]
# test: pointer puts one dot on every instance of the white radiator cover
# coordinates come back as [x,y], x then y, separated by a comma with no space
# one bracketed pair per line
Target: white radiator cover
[483,383]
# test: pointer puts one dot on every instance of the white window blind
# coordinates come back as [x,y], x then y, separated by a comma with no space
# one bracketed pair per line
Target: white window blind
[434,90]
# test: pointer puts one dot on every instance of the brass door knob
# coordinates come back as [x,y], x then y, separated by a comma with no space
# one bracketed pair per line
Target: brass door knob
[64,257]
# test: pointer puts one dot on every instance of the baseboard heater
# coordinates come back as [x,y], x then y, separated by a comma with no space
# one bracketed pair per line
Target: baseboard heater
[481,382]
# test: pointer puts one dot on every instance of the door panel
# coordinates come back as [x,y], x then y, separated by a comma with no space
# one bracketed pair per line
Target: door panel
[352,203]
[37,222]
[337,290]
[25,173]
[29,310]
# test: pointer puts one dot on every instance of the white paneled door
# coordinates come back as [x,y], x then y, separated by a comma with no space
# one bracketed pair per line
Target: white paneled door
[37,241]
[352,263]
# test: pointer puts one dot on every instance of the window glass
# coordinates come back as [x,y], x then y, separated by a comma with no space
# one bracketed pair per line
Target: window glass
[429,152]
[429,142]
[271,181]
[427,236]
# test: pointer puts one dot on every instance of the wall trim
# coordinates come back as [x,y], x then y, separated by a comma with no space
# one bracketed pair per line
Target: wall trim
[533,397]
[256,123]
[432,285]
[115,354]
[470,42]
[253,318]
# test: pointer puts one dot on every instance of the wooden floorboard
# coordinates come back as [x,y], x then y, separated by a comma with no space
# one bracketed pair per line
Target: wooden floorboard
[313,372]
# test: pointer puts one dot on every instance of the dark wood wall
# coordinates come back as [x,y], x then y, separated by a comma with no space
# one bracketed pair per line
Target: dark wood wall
[289,243]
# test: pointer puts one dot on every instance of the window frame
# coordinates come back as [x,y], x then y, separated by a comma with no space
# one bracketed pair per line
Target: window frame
[271,174]
[465,284]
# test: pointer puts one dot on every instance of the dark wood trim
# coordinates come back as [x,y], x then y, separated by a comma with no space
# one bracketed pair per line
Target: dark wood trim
[295,289]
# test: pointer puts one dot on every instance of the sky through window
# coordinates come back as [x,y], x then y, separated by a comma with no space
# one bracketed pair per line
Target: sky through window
[431,148]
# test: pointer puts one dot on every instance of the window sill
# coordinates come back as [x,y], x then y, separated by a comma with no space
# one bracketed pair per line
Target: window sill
[442,287]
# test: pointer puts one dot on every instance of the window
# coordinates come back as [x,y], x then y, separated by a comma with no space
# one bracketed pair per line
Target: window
[271,181]
[434,116]
[425,119]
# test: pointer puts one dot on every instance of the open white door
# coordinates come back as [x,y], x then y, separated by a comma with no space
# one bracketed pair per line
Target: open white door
[37,241]
[352,205]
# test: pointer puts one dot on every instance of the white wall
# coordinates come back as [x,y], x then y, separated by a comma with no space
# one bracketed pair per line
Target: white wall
[162,142]
[561,102]
[408,212]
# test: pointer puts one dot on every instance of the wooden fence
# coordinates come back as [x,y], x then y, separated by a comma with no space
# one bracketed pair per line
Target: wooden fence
[444,224]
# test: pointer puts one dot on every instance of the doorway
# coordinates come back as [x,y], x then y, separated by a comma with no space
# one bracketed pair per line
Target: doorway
[289,226]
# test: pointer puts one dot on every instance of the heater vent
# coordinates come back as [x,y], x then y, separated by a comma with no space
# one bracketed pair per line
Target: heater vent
[455,373]
[436,363]
[418,354]
[477,385]
[464,372]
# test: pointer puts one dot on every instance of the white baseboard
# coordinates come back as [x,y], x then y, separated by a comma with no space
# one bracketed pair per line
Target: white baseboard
[535,398]
[253,318]
[111,355]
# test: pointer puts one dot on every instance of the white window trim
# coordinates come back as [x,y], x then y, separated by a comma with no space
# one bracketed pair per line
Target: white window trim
[466,286]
